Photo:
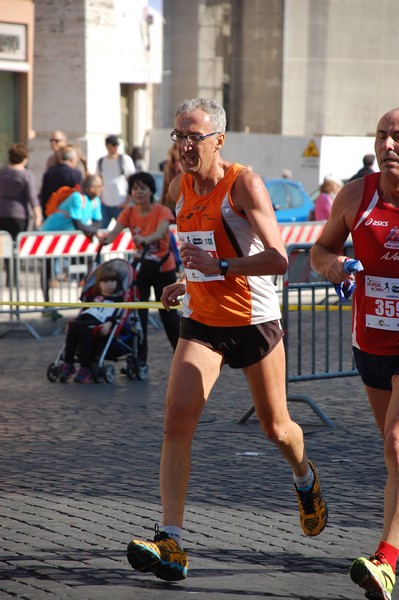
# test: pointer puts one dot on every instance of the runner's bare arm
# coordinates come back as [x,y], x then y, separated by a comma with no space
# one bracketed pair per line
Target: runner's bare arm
[251,198]
[327,254]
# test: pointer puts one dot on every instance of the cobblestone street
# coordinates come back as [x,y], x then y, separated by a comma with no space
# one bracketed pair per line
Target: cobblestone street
[79,478]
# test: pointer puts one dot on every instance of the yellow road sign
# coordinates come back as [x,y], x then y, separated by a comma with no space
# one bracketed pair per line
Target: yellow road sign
[311,150]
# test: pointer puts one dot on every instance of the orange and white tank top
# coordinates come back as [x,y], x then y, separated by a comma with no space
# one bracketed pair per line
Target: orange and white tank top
[375,235]
[213,223]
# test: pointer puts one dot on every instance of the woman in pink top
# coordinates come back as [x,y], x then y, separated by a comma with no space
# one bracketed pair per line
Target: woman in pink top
[328,190]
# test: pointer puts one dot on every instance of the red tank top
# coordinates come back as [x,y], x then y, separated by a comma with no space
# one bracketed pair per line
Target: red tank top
[375,235]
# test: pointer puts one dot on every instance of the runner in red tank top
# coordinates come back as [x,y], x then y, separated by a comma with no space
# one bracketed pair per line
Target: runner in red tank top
[368,208]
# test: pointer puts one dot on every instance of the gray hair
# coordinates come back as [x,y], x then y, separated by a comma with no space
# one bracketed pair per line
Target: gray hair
[69,154]
[88,181]
[211,107]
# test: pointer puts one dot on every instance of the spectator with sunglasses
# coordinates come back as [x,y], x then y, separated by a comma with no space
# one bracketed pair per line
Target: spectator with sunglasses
[58,141]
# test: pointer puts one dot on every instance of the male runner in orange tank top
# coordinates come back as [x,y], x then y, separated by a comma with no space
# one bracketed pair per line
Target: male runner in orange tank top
[230,247]
[368,208]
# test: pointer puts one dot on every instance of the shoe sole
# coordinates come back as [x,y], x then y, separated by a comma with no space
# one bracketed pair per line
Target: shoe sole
[365,579]
[143,560]
[313,533]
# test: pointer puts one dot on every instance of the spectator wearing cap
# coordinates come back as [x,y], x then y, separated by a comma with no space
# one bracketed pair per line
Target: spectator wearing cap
[367,169]
[287,174]
[114,168]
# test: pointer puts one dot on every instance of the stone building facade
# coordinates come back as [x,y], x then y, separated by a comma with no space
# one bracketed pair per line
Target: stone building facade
[283,67]
[290,67]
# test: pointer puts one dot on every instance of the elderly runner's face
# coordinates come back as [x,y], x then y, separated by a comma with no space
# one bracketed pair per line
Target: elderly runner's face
[196,157]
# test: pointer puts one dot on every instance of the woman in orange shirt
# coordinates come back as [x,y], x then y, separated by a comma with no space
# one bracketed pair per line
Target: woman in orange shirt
[149,223]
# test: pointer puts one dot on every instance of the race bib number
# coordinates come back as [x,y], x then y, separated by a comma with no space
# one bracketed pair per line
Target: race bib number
[206,241]
[382,302]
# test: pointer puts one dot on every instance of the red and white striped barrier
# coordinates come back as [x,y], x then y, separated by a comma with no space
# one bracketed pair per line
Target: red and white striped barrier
[301,233]
[42,244]
[60,244]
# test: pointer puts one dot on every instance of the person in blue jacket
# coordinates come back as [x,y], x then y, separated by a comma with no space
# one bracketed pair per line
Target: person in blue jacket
[79,211]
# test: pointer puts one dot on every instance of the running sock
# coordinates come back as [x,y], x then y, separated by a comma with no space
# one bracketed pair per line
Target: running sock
[304,482]
[388,553]
[174,532]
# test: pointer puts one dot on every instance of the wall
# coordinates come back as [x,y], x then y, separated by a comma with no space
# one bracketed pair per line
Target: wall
[297,67]
[76,86]
[256,66]
[17,111]
[338,65]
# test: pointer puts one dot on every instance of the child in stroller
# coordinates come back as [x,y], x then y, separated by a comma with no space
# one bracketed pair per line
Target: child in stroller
[102,332]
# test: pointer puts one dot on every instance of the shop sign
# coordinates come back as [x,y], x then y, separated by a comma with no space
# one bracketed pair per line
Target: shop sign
[12,41]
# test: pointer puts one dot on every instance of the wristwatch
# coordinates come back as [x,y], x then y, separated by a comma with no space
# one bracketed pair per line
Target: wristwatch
[224,266]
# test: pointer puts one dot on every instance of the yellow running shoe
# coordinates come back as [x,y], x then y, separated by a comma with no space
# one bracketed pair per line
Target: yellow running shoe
[312,506]
[376,577]
[163,557]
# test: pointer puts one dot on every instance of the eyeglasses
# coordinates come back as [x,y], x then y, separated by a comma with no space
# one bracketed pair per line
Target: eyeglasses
[192,138]
[54,140]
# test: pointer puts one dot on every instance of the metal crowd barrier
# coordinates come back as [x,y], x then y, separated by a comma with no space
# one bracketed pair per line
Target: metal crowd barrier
[7,289]
[65,258]
[317,328]
[61,258]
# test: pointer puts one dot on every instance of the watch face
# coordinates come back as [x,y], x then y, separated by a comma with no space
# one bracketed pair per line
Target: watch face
[224,265]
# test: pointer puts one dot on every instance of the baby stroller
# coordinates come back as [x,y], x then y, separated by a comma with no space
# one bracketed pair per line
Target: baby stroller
[123,340]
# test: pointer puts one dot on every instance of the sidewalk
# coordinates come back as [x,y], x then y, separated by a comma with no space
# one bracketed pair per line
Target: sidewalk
[79,478]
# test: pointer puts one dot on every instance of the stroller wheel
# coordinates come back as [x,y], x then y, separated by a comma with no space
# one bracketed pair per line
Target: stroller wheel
[109,373]
[52,372]
[142,371]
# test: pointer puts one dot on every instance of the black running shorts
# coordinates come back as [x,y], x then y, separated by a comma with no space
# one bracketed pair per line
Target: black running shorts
[376,370]
[240,346]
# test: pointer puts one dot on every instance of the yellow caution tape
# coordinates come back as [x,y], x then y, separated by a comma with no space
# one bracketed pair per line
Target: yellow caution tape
[157,305]
[317,307]
[130,305]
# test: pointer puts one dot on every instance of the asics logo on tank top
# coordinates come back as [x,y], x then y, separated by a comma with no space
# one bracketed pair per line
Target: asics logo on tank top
[376,223]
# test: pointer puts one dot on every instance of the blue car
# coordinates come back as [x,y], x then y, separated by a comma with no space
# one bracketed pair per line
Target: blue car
[290,201]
